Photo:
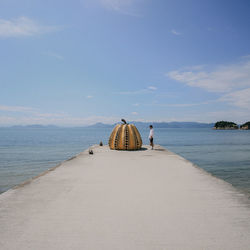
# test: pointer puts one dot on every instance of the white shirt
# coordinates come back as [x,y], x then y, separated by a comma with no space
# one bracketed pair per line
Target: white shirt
[151,133]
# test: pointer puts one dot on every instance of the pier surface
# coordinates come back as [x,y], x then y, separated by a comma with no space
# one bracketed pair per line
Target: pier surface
[137,200]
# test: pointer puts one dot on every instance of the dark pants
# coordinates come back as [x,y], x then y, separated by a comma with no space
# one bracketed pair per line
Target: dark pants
[151,142]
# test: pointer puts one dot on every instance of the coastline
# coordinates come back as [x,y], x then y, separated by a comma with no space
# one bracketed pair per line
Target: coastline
[119,190]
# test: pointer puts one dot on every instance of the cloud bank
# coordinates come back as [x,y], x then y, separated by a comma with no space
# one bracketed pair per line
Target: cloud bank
[20,115]
[239,98]
[221,79]
[231,81]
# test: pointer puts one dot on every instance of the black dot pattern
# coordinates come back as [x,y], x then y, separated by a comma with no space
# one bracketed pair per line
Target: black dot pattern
[125,137]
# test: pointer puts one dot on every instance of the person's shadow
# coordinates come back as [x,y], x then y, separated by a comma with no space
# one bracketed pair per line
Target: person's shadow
[142,149]
[160,149]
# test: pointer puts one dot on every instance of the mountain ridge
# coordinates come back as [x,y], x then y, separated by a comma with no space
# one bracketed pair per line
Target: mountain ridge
[138,124]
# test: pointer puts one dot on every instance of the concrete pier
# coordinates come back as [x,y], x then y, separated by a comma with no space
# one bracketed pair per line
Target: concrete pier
[136,200]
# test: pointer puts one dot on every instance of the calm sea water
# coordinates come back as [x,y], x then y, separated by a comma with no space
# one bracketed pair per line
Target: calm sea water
[26,152]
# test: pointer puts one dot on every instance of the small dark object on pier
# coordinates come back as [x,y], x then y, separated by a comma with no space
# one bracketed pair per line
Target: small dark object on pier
[91,152]
[101,144]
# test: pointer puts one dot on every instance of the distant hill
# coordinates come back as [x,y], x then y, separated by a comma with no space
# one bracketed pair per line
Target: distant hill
[178,125]
[160,125]
[34,126]
[101,125]
[138,124]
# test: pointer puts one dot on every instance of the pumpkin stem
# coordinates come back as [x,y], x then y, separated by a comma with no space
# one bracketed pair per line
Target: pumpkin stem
[124,121]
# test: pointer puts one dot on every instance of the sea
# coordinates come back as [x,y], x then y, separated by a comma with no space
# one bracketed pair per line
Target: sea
[26,151]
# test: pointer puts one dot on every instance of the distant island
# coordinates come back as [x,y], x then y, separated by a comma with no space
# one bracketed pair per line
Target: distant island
[225,125]
[245,126]
[231,125]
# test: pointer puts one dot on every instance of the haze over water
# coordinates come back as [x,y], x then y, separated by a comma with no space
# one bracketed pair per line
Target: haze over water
[26,152]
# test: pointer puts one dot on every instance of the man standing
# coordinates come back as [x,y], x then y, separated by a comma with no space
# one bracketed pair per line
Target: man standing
[151,136]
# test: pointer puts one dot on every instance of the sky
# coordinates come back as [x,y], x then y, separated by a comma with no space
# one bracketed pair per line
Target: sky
[78,62]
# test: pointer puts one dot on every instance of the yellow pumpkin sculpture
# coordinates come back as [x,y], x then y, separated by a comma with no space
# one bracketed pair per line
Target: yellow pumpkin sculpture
[125,137]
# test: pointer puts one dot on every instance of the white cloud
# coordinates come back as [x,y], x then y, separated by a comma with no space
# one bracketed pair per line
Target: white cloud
[175,32]
[136,104]
[181,105]
[15,108]
[152,88]
[81,121]
[240,98]
[22,26]
[147,90]
[223,78]
[136,92]
[28,111]
[89,96]
[134,113]
[54,120]
[19,115]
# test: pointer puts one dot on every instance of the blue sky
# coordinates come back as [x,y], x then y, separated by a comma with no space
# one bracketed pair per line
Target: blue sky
[79,62]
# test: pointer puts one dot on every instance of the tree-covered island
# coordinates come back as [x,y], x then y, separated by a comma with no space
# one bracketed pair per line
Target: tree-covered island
[245,126]
[225,125]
